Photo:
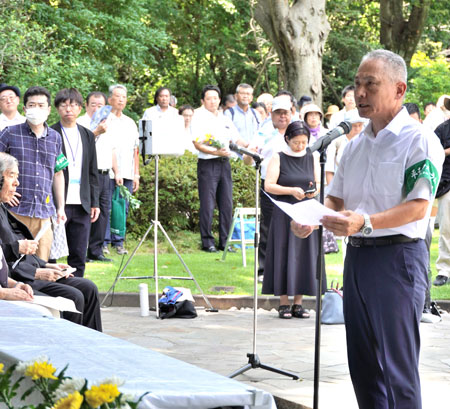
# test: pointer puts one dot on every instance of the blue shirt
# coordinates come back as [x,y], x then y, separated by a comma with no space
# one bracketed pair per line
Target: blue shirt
[247,123]
[37,159]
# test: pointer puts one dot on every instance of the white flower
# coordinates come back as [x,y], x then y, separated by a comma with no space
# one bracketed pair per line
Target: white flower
[69,386]
[23,365]
[112,380]
[125,406]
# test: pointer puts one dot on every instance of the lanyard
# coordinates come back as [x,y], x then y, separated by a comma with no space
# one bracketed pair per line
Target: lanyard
[70,146]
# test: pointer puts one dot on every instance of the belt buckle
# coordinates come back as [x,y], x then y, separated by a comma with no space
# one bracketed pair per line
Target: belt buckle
[356,241]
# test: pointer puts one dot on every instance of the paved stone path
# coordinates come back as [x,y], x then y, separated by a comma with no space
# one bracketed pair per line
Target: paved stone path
[220,341]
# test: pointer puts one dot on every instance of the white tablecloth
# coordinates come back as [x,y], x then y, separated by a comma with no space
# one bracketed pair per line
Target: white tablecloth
[25,335]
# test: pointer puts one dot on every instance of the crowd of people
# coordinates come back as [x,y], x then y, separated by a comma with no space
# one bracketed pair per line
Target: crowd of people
[383,176]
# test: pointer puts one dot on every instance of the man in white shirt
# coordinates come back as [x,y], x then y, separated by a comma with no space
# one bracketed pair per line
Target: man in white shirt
[337,147]
[348,99]
[106,162]
[124,133]
[213,167]
[162,108]
[9,101]
[80,177]
[384,188]
[94,101]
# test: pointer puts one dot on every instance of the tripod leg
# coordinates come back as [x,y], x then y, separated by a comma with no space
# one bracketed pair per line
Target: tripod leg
[211,308]
[279,371]
[245,368]
[126,265]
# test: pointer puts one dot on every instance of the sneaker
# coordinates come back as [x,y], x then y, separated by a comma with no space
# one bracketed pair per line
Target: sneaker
[105,250]
[120,250]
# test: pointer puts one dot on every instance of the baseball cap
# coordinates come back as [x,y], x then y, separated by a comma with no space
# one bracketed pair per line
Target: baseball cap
[281,102]
[4,87]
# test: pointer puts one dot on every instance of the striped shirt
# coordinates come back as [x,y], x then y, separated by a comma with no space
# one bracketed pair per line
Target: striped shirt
[37,159]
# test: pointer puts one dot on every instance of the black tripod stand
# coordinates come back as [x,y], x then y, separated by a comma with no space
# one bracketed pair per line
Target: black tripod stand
[253,358]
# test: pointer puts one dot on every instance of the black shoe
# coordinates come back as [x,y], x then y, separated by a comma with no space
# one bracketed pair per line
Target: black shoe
[210,249]
[101,257]
[230,249]
[440,280]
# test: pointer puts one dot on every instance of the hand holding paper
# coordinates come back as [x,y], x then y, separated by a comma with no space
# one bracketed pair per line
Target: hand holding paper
[306,212]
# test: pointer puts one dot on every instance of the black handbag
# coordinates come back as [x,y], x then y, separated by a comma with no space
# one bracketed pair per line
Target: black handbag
[182,309]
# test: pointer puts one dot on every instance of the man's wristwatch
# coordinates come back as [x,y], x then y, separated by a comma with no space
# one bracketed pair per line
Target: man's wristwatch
[367,228]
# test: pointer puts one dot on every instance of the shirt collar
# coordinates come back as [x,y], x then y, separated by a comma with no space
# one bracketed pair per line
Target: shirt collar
[30,131]
[394,127]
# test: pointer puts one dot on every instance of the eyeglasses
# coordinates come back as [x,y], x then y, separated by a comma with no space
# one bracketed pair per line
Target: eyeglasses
[73,105]
[10,98]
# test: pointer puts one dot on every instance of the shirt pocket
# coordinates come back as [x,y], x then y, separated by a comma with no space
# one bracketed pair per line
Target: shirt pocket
[388,179]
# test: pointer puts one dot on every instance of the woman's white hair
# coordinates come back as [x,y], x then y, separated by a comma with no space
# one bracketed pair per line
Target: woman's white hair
[7,162]
[395,64]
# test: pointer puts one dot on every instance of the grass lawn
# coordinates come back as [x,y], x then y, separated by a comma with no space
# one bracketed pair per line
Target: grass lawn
[208,269]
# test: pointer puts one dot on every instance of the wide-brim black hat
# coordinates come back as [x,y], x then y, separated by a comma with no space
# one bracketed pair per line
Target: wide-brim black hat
[4,87]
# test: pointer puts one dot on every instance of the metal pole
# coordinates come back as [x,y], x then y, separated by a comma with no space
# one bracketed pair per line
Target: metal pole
[319,275]
[155,236]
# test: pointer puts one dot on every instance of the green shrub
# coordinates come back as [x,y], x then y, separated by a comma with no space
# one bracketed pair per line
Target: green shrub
[178,195]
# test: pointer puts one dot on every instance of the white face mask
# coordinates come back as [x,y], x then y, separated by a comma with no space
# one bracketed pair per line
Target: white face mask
[36,116]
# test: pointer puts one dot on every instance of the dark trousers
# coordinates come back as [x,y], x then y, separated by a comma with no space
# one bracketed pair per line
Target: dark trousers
[428,239]
[78,227]
[266,217]
[215,186]
[111,238]
[98,228]
[384,289]
[82,292]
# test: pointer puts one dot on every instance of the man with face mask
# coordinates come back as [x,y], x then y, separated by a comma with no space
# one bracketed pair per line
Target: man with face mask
[38,149]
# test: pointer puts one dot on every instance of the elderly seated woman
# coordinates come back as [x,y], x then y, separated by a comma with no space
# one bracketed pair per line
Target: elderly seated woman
[19,246]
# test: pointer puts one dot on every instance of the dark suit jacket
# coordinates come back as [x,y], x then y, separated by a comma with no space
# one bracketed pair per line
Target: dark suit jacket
[89,191]
[12,230]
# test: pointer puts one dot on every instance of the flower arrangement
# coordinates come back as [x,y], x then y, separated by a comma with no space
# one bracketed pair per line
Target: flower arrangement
[211,141]
[60,392]
[125,193]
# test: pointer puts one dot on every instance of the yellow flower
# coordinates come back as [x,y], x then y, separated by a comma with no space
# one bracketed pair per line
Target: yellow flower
[1,367]
[98,395]
[41,370]
[72,401]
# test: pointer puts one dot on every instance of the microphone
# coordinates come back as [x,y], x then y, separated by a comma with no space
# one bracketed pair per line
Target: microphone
[322,143]
[243,151]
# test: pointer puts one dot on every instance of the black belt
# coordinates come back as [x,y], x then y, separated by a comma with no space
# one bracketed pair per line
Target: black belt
[220,159]
[380,241]
[103,171]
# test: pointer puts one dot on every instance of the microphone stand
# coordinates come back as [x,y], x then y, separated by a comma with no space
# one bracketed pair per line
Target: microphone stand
[253,358]
[321,146]
[320,270]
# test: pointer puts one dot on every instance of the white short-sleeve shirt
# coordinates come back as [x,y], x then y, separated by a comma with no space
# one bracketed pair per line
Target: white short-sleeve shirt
[374,172]
[218,125]
[125,137]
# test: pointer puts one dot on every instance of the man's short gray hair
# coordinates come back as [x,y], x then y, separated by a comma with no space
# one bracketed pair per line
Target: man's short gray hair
[115,86]
[395,63]
[7,162]
[245,86]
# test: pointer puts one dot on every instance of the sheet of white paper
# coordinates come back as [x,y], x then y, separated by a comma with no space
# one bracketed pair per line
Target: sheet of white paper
[67,272]
[44,228]
[57,303]
[307,212]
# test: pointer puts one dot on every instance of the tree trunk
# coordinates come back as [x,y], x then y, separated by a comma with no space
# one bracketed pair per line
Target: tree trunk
[298,33]
[398,34]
